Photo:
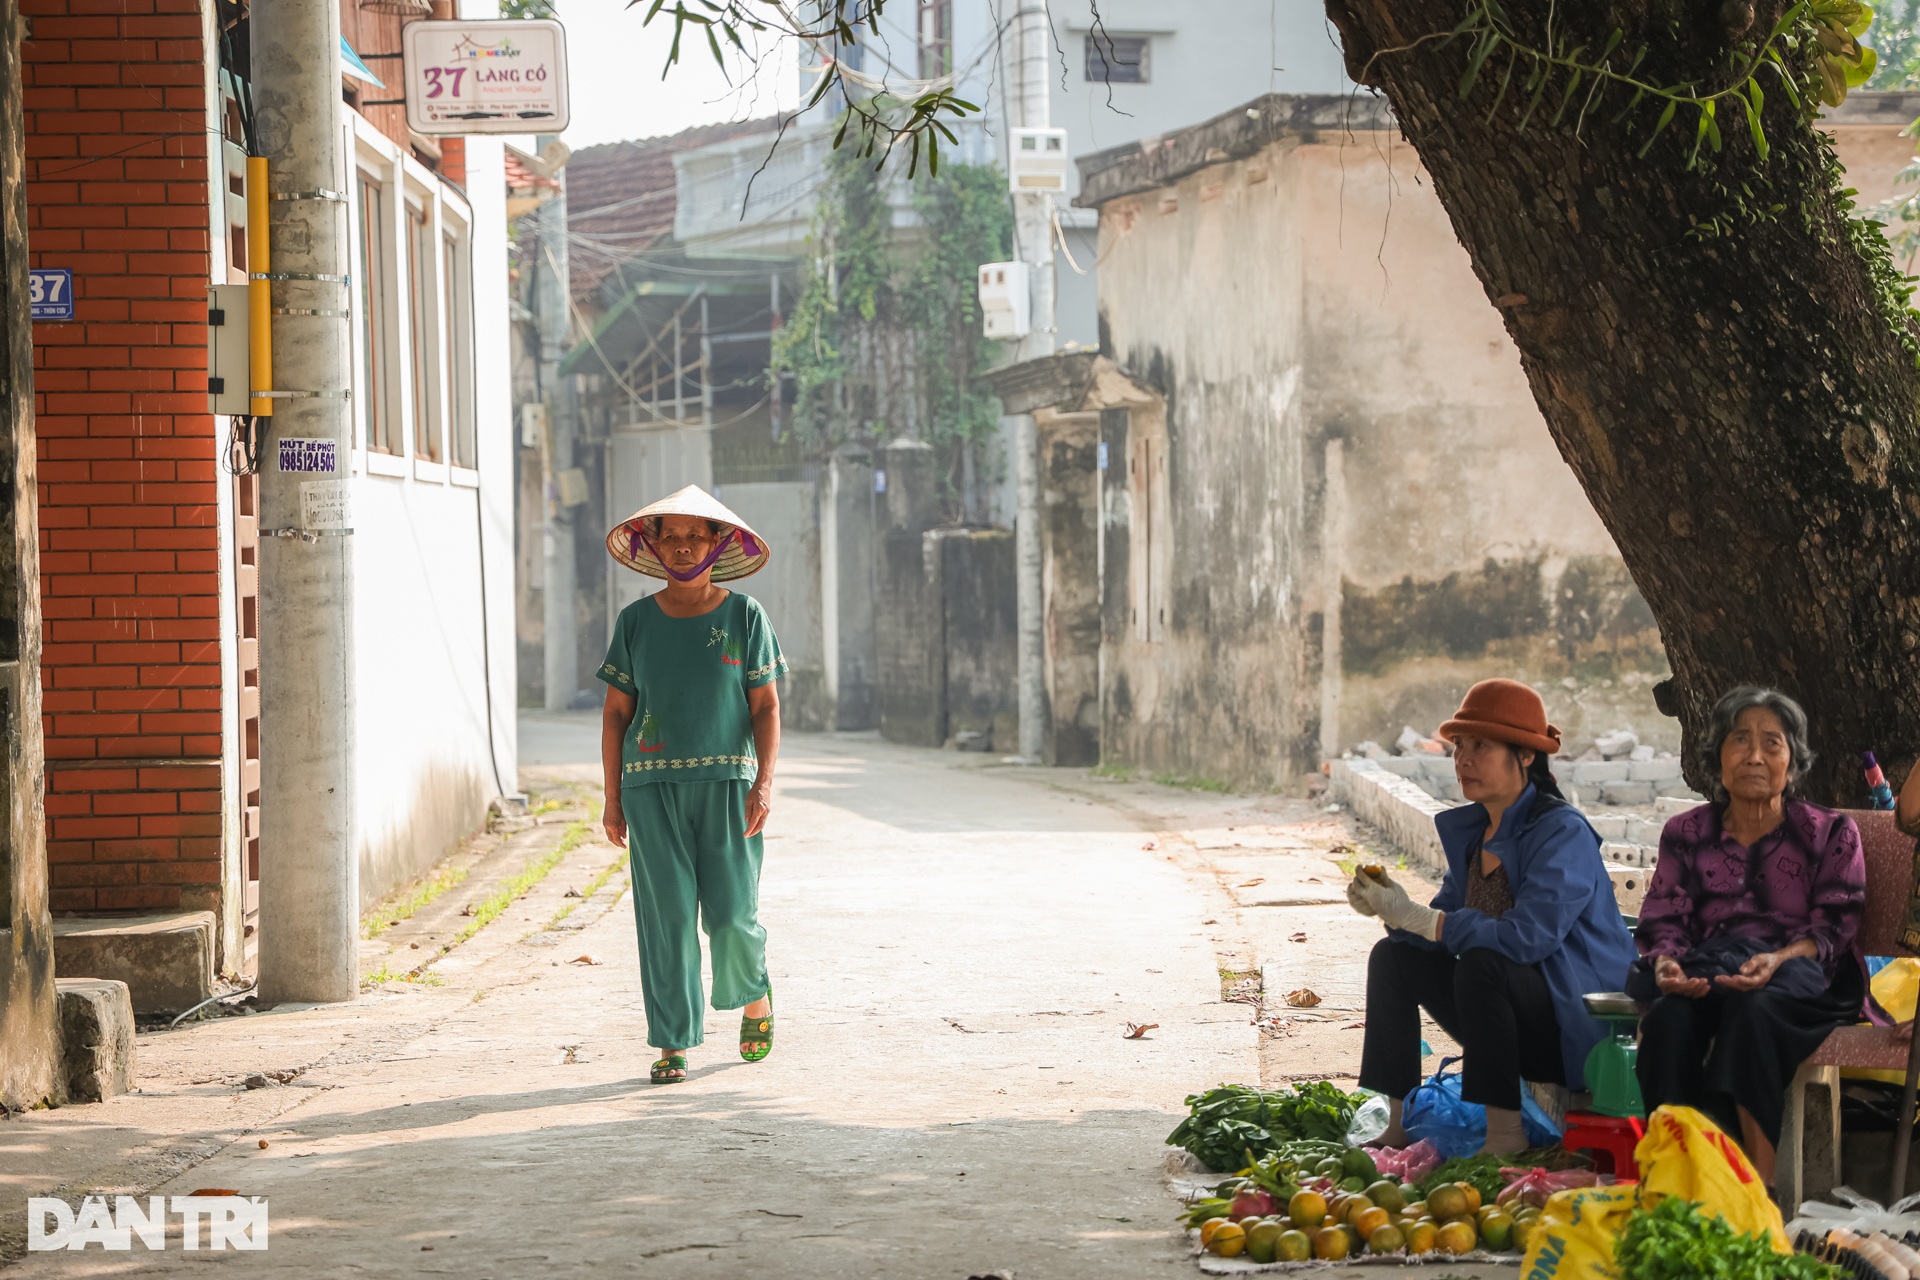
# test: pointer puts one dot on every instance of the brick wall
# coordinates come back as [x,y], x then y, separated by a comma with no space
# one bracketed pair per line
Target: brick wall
[117,156]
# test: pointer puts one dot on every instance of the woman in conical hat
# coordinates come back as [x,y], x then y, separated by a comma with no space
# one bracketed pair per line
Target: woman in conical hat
[688,740]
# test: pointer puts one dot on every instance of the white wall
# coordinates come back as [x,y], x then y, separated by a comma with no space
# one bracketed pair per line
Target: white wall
[424,654]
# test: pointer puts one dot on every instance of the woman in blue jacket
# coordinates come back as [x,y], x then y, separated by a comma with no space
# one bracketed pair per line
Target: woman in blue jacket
[1524,924]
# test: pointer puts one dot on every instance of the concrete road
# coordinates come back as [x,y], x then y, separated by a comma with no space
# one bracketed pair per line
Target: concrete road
[955,947]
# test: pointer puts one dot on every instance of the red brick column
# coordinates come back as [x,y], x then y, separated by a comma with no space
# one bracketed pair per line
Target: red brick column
[117,159]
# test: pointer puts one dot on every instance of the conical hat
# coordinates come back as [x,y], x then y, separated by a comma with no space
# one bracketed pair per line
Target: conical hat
[745,551]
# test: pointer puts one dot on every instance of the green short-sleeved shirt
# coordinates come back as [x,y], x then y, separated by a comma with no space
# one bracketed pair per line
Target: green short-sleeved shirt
[690,677]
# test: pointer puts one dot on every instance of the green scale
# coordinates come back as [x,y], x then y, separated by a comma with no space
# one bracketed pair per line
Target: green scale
[1610,1064]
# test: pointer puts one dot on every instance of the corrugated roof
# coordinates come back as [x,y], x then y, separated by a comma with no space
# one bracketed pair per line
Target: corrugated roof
[620,197]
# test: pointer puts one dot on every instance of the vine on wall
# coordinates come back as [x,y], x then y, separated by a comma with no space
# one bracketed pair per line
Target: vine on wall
[885,340]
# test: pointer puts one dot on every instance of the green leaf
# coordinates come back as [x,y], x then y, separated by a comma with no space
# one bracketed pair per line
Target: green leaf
[1613,42]
[1539,92]
[1566,96]
[1753,127]
[1505,81]
[1666,118]
[1632,102]
[1860,70]
[1480,53]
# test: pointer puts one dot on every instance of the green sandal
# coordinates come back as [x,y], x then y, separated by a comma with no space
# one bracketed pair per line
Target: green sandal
[758,1032]
[671,1069]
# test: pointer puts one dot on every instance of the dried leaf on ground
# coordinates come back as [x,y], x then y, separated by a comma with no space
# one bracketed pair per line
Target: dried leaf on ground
[1151,844]
[1355,1026]
[583,960]
[1304,998]
[571,892]
[1248,884]
[1138,1030]
[1298,937]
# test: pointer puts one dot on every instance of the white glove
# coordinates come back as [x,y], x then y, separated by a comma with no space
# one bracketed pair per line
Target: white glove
[1396,910]
[1357,894]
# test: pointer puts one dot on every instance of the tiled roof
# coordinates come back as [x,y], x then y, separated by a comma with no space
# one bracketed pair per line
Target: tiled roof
[620,197]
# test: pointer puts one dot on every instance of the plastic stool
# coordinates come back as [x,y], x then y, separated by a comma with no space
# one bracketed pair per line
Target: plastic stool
[1611,1137]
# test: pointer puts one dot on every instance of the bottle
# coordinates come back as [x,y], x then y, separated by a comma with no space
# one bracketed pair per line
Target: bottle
[1880,795]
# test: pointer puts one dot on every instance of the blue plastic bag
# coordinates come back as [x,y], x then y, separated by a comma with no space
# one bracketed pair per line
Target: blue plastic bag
[1436,1111]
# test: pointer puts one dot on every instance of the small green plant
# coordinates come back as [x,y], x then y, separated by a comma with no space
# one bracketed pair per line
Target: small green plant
[530,875]
[1194,783]
[410,900]
[594,886]
[1114,771]
[379,976]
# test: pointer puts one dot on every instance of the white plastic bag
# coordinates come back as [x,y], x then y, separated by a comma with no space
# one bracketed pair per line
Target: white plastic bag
[1858,1214]
[1370,1120]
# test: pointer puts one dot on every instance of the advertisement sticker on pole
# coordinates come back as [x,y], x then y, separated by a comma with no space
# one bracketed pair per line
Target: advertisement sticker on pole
[486,76]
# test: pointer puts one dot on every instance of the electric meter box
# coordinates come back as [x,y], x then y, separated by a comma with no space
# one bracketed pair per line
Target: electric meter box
[1006,306]
[1037,160]
[229,353]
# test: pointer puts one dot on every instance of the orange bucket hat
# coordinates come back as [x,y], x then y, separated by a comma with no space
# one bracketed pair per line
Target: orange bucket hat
[1505,711]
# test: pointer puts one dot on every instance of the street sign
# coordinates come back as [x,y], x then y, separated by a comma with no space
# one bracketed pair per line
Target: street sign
[494,76]
[50,293]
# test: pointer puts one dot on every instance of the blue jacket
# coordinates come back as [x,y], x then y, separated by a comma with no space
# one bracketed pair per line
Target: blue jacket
[1564,918]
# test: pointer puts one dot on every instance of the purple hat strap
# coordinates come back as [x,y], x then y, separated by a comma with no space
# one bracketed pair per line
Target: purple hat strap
[637,538]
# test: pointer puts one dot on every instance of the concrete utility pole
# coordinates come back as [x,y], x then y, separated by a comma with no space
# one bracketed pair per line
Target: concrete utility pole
[309,873]
[1033,237]
[551,299]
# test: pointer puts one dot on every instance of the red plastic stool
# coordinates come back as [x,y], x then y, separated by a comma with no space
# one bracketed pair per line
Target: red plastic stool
[1611,1139]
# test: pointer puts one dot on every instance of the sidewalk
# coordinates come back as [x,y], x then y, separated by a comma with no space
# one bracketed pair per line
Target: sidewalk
[955,947]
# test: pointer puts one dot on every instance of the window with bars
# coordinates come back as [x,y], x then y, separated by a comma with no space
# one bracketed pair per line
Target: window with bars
[1117,59]
[936,38]
[382,423]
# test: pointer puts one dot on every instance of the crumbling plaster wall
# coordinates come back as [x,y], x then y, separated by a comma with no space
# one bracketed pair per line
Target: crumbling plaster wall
[1467,547]
[1200,296]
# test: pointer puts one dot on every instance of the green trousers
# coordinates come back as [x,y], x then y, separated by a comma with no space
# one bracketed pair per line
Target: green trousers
[688,846]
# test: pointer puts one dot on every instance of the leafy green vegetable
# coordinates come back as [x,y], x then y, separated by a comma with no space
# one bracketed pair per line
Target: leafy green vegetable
[1481,1171]
[1233,1126]
[1675,1241]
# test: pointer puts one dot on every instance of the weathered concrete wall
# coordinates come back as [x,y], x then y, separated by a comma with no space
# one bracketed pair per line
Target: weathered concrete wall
[1070,580]
[1201,297]
[909,622]
[981,624]
[1284,274]
[849,514]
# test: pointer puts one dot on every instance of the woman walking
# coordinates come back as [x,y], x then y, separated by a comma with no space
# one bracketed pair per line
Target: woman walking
[689,736]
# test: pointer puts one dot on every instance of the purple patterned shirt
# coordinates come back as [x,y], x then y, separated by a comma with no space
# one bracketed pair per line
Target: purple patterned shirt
[1805,879]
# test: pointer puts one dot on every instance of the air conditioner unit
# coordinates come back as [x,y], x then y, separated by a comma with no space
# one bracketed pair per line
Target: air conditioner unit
[1005,303]
[1037,160]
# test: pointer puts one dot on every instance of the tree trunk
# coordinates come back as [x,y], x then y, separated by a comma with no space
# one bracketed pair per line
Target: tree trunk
[1740,408]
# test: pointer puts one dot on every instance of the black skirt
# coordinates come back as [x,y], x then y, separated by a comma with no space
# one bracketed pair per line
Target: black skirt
[1731,1049]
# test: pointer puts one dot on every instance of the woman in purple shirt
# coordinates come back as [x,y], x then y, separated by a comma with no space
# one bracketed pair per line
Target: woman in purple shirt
[1746,936]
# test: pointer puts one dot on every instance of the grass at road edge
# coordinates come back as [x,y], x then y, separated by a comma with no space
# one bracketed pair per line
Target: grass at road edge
[530,875]
[496,902]
[414,897]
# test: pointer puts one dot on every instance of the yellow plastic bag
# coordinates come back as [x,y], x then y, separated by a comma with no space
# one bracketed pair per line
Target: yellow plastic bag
[1576,1232]
[1897,989]
[1685,1154]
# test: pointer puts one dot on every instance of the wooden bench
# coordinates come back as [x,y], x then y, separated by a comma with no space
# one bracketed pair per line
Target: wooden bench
[1808,1164]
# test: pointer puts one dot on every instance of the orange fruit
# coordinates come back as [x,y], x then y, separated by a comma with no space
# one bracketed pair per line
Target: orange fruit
[1307,1209]
[1230,1241]
[1496,1230]
[1330,1244]
[1387,1195]
[1447,1202]
[1386,1238]
[1456,1238]
[1352,1207]
[1416,1209]
[1473,1196]
[1210,1226]
[1367,1221]
[1421,1236]
[1293,1246]
[1249,1222]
